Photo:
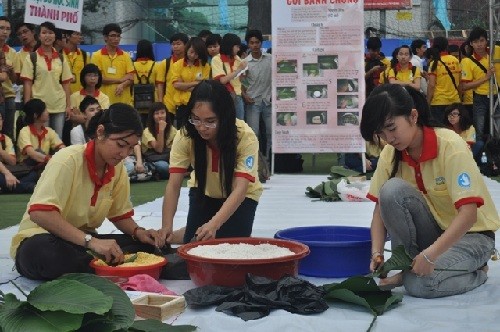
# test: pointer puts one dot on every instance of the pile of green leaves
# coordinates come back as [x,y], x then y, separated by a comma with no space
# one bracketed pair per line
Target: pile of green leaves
[75,302]
[327,191]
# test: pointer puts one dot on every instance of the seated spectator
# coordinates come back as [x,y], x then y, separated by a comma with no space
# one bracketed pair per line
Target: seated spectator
[36,142]
[157,140]
[88,108]
[137,170]
[9,182]
[458,120]
[354,161]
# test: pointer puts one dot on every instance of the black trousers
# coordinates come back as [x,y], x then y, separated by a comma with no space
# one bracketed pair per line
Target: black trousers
[47,257]
[201,210]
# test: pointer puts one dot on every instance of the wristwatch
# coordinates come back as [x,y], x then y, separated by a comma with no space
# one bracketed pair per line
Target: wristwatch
[87,238]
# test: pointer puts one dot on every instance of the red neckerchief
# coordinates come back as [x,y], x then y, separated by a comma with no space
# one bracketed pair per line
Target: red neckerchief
[399,68]
[196,62]
[227,59]
[443,53]
[40,136]
[48,61]
[104,51]
[67,51]
[478,57]
[5,48]
[174,59]
[84,93]
[98,182]
[2,137]
[215,157]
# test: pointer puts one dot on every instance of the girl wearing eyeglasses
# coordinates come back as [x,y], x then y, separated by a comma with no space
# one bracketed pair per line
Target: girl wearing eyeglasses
[457,119]
[224,185]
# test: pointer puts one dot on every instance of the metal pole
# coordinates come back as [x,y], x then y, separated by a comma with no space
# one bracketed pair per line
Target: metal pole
[492,80]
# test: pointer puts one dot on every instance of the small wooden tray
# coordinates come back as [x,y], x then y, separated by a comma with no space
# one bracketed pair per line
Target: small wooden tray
[158,307]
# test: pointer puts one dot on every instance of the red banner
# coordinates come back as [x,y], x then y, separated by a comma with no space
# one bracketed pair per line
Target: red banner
[387,4]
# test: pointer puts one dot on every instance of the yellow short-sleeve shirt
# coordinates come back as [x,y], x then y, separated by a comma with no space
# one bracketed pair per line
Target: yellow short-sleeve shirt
[147,138]
[10,60]
[472,72]
[114,67]
[182,156]
[77,97]
[445,92]
[46,85]
[21,55]
[142,70]
[7,142]
[76,62]
[45,141]
[469,135]
[183,72]
[68,185]
[405,75]
[222,65]
[166,77]
[446,175]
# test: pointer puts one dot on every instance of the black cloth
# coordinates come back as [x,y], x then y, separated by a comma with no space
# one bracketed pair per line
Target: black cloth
[259,296]
[47,257]
[201,210]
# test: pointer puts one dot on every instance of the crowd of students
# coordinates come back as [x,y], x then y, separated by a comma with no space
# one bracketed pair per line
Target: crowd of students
[71,86]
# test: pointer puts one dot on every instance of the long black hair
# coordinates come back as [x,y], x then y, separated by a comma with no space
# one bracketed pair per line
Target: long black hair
[388,101]
[221,102]
[464,120]
[150,123]
[439,45]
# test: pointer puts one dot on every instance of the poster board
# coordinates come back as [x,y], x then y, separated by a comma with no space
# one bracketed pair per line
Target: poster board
[65,14]
[318,76]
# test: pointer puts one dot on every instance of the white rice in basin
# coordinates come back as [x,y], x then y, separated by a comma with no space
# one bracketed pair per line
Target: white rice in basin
[240,251]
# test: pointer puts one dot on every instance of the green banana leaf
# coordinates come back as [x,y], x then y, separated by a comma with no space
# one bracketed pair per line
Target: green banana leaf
[61,294]
[121,315]
[399,260]
[338,172]
[17,316]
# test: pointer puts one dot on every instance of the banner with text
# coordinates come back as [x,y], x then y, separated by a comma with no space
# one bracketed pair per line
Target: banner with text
[318,75]
[65,14]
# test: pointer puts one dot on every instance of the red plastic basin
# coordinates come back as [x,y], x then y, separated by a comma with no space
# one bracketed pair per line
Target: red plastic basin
[128,271]
[232,272]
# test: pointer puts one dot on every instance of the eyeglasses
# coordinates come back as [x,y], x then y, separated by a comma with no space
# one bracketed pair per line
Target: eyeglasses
[453,114]
[199,123]
[22,32]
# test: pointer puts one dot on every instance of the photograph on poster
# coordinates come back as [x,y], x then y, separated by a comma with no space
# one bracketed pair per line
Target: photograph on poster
[286,119]
[287,66]
[316,117]
[311,70]
[348,119]
[286,93]
[347,85]
[347,101]
[328,61]
[317,91]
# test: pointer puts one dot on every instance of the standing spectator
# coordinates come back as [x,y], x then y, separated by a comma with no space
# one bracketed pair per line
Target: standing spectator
[227,67]
[187,73]
[35,141]
[77,58]
[404,73]
[146,72]
[203,34]
[27,35]
[91,80]
[88,108]
[467,95]
[115,65]
[47,76]
[444,78]
[8,59]
[256,89]
[178,43]
[375,63]
[418,49]
[157,140]
[476,75]
[213,46]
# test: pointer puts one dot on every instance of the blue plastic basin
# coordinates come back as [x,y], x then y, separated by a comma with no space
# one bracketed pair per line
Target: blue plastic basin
[336,251]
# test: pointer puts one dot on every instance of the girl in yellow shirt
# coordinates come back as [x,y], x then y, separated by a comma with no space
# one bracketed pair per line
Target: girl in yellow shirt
[458,120]
[403,73]
[430,197]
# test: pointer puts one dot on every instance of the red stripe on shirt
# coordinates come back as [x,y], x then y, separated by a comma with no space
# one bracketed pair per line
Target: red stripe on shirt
[177,170]
[43,207]
[122,217]
[479,201]
[372,198]
[245,175]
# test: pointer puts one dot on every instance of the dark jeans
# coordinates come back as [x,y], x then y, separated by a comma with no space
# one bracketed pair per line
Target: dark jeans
[47,257]
[481,115]
[202,210]
[437,113]
[8,111]
[26,184]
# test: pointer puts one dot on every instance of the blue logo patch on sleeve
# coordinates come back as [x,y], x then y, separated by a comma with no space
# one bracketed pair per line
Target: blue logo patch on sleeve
[463,180]
[249,162]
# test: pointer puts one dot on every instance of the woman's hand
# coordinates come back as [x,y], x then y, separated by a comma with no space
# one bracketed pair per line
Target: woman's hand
[11,181]
[421,266]
[164,236]
[119,89]
[207,231]
[162,125]
[149,236]
[376,262]
[108,248]
[139,167]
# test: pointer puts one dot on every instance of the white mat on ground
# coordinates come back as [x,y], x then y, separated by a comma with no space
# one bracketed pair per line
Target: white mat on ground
[284,205]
